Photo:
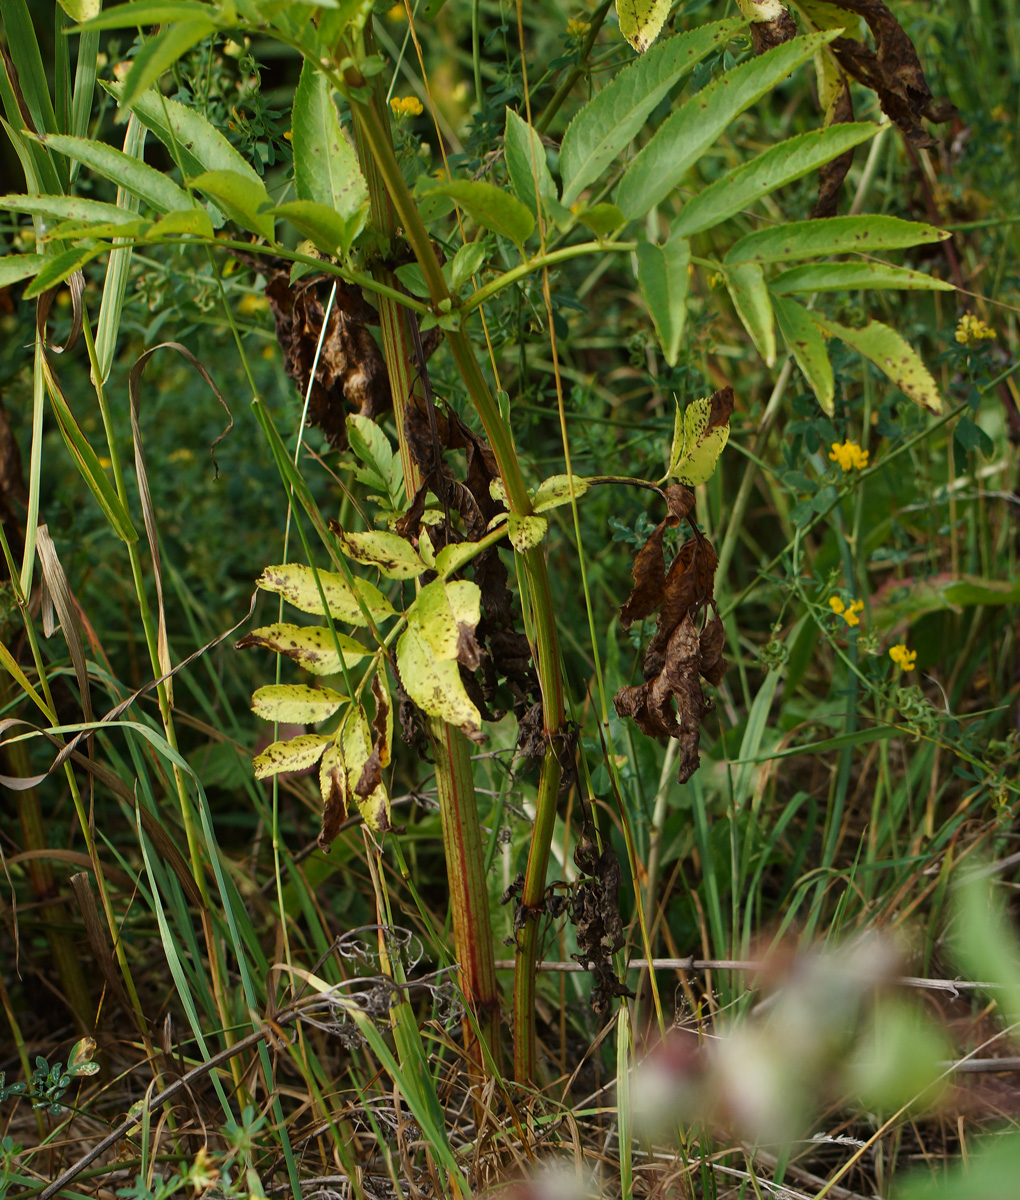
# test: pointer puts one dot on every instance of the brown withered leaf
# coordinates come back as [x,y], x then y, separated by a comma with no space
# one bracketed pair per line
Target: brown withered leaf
[595,911]
[13,493]
[371,772]
[892,70]
[649,569]
[334,811]
[831,176]
[713,639]
[765,35]
[688,590]
[351,374]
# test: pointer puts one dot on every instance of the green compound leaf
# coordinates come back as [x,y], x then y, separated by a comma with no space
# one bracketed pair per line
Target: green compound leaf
[326,169]
[611,119]
[695,127]
[641,20]
[745,283]
[298,754]
[893,356]
[387,552]
[296,584]
[832,235]
[295,703]
[310,646]
[745,185]
[807,345]
[841,276]
[491,207]
[240,199]
[699,434]
[664,280]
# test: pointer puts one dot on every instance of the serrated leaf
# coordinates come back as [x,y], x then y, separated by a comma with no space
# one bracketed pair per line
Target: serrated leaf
[832,235]
[745,185]
[156,188]
[745,283]
[691,130]
[69,208]
[239,198]
[310,646]
[642,20]
[807,345]
[157,54]
[72,231]
[192,141]
[491,207]
[387,552]
[327,230]
[295,703]
[555,490]
[526,533]
[840,276]
[892,355]
[296,584]
[699,434]
[326,169]
[611,119]
[664,280]
[434,684]
[685,136]
[15,267]
[298,754]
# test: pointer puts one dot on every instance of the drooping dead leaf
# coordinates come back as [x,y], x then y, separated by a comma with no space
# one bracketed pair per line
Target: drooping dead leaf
[832,175]
[771,24]
[595,911]
[351,372]
[687,644]
[382,737]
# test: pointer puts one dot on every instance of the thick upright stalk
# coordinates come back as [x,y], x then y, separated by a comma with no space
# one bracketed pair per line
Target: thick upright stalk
[462,835]
[374,136]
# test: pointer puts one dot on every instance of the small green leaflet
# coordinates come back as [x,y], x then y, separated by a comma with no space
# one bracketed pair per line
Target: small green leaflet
[745,283]
[893,356]
[832,235]
[807,345]
[664,279]
[491,207]
[699,434]
[641,20]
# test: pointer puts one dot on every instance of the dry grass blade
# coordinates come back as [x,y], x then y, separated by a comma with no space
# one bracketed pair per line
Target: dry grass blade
[56,588]
[148,513]
[76,285]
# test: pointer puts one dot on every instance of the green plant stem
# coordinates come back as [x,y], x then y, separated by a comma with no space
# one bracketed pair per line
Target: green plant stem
[462,836]
[537,262]
[379,145]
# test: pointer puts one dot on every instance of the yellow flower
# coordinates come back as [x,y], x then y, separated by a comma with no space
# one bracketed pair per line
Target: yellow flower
[902,657]
[203,1173]
[836,605]
[850,616]
[972,329]
[406,106]
[250,304]
[576,28]
[849,456]
[396,13]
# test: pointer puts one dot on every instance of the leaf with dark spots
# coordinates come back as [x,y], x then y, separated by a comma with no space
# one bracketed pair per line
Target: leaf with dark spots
[382,735]
[333,786]
[892,70]
[469,653]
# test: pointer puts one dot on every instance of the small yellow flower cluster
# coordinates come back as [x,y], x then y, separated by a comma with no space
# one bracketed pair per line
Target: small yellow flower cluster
[396,13]
[406,106]
[972,329]
[848,614]
[903,658]
[577,28]
[849,456]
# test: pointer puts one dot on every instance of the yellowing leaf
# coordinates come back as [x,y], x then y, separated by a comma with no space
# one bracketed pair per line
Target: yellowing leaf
[526,532]
[356,743]
[699,435]
[296,584]
[641,20]
[295,703]
[310,646]
[434,685]
[388,552]
[555,490]
[296,755]
[891,354]
[451,558]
